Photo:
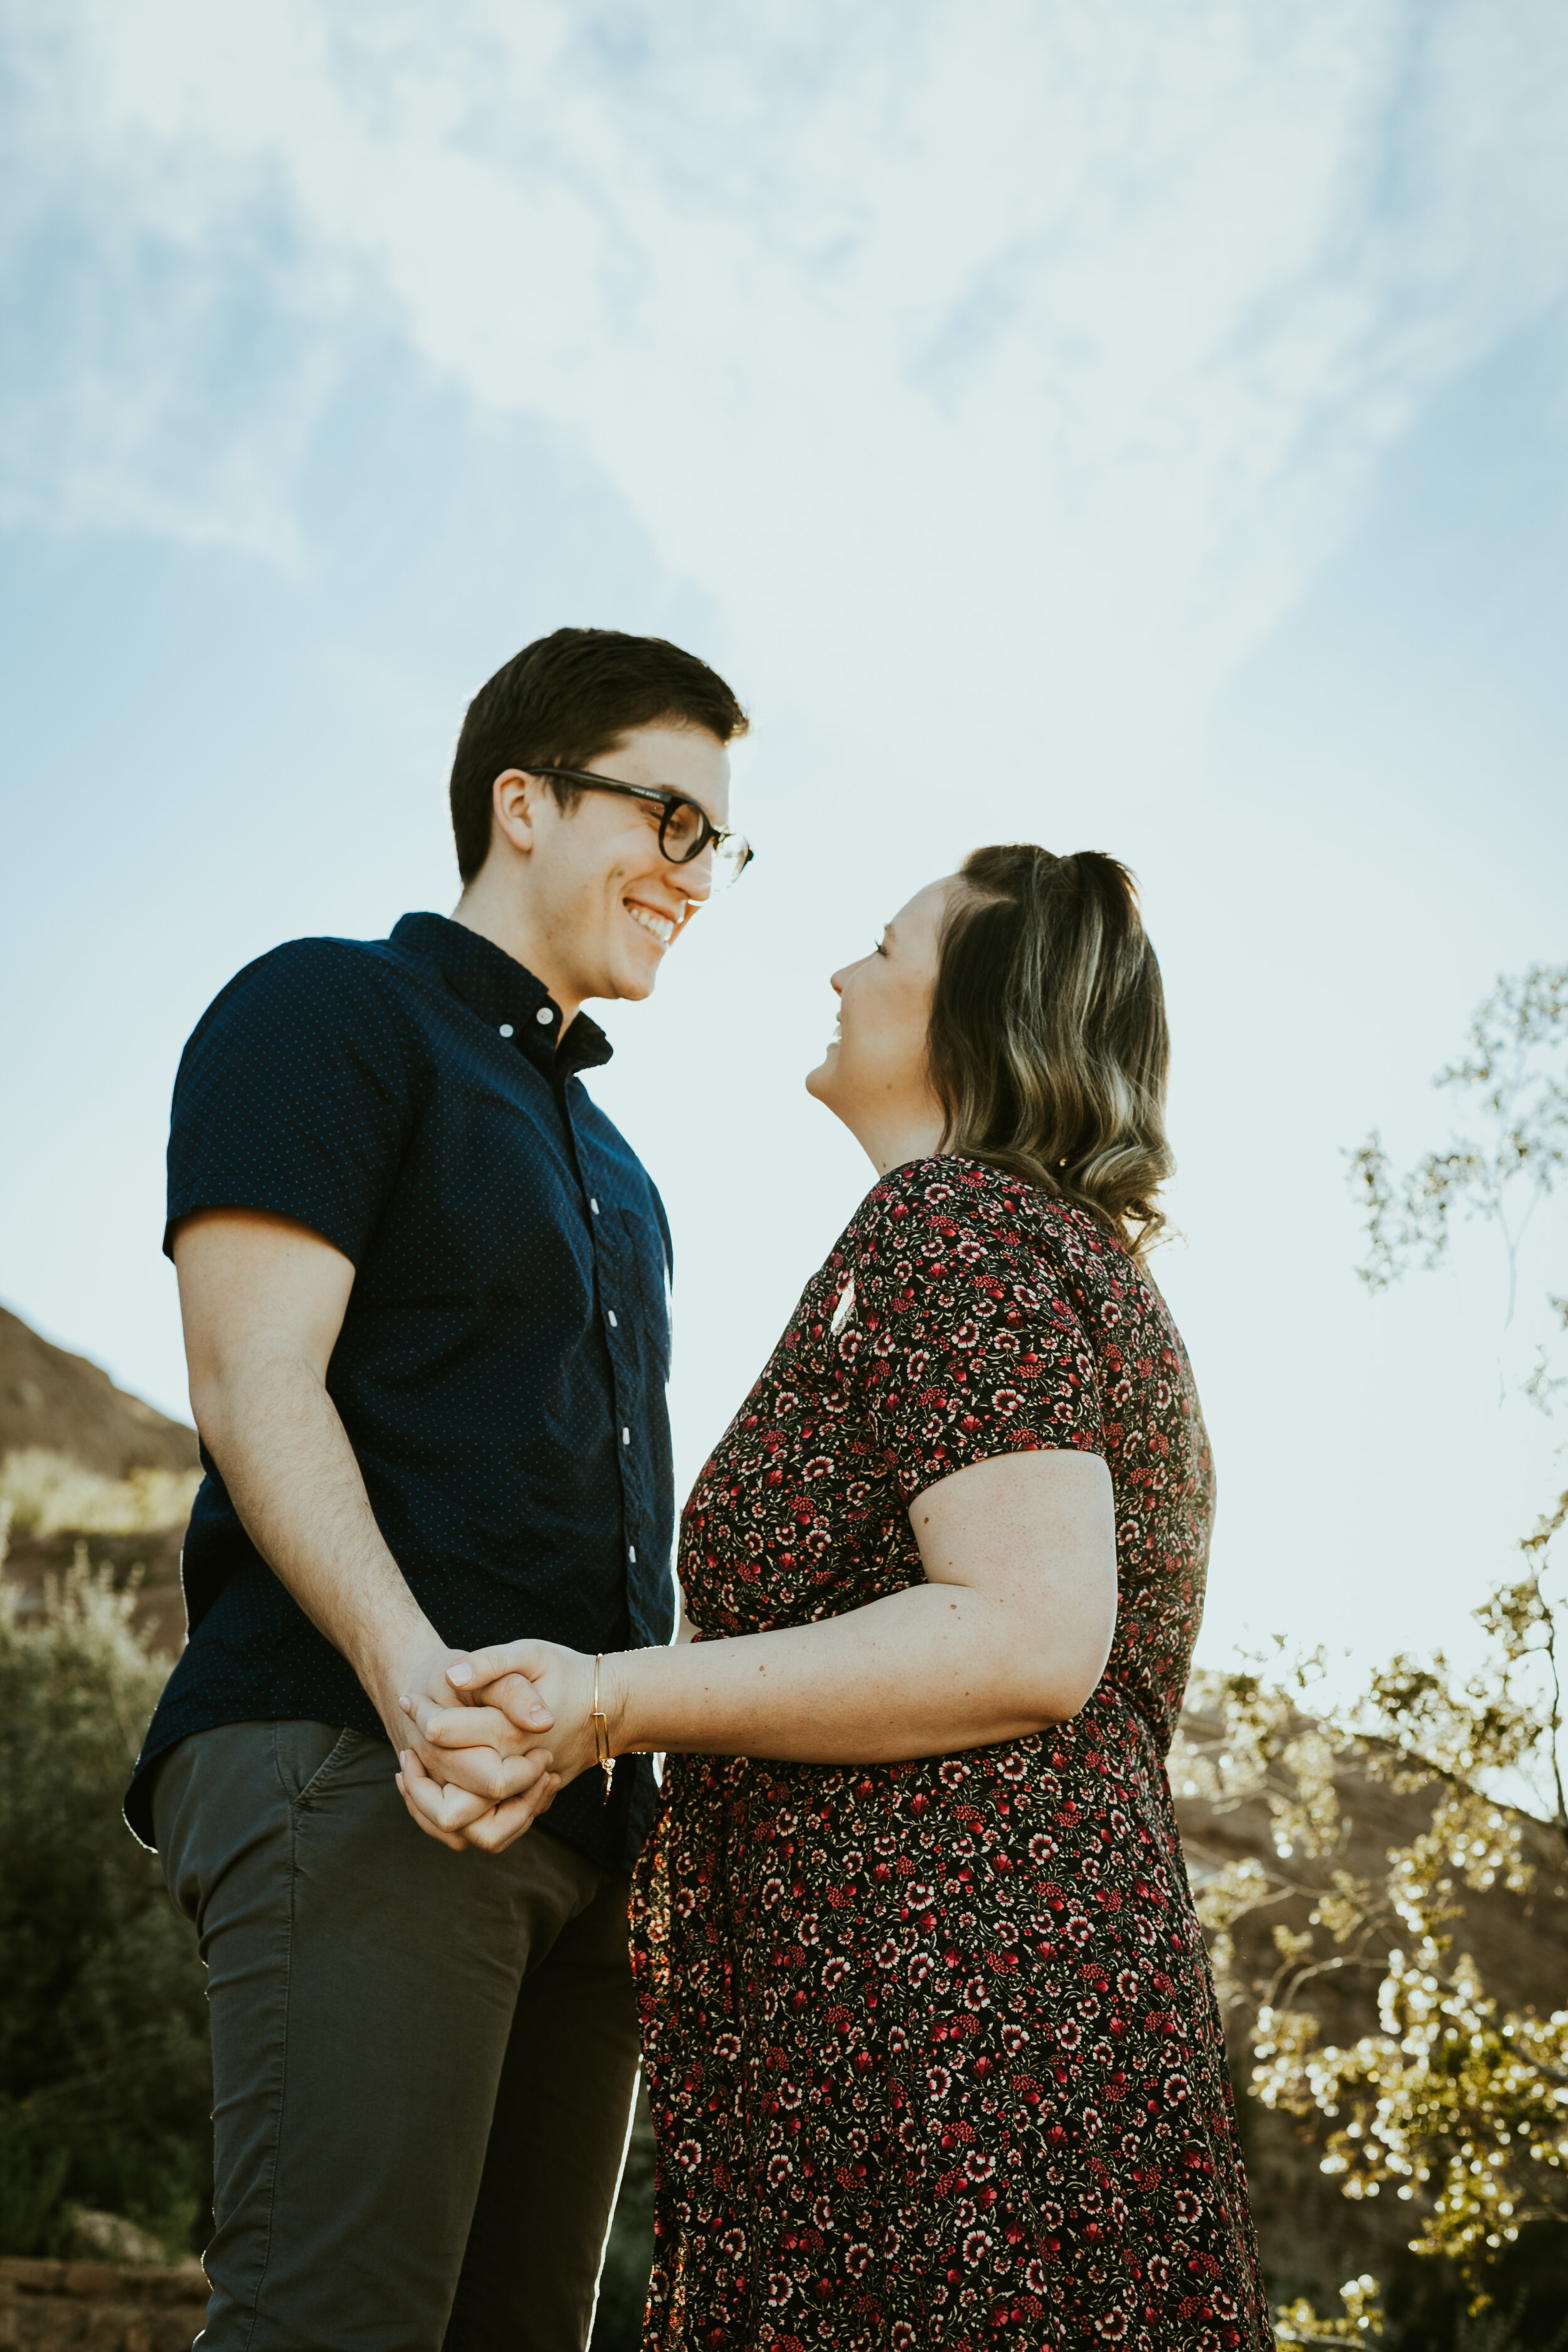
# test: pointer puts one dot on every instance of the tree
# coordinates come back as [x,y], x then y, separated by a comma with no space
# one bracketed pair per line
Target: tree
[1454,2105]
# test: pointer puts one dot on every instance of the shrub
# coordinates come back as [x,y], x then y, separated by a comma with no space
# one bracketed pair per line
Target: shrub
[48,1492]
[105,2079]
[1457,2103]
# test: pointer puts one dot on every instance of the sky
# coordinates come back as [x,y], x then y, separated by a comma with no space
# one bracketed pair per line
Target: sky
[1123,424]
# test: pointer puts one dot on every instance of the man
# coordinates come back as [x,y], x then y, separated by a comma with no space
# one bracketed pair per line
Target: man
[423,1282]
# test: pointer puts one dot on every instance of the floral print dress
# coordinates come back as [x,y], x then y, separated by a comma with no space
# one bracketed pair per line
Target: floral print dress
[932,2047]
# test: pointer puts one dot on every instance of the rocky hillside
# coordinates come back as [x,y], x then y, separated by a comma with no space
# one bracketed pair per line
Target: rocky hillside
[64,1404]
[81,1460]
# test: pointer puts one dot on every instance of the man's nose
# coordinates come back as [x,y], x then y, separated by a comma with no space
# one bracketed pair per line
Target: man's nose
[696,876]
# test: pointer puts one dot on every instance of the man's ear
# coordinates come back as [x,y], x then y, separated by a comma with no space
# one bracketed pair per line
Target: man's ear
[514,801]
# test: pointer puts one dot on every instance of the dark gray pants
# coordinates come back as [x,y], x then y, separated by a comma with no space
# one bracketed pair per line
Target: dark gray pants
[424,2062]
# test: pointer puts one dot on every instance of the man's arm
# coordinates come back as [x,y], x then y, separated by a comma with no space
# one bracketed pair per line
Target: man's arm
[263,1300]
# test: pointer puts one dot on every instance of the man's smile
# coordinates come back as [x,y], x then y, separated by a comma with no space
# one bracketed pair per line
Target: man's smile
[662,927]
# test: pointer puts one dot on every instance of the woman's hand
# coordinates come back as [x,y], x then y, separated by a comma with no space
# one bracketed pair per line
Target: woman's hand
[519,1679]
[471,1772]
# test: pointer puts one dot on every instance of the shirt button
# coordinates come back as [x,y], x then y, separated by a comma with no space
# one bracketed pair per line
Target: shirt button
[611,1313]
[545,1015]
[632,1553]
[626,1437]
[594,1206]
[506,1028]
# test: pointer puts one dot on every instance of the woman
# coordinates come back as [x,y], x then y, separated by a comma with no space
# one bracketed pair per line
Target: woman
[930,2039]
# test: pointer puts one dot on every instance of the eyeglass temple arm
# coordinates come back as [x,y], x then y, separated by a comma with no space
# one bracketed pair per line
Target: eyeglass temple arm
[668,801]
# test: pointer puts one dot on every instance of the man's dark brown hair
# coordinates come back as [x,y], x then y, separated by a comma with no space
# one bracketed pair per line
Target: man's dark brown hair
[565,701]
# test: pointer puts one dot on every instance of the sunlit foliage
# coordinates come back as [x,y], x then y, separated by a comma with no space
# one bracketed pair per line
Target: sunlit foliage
[1454,2105]
[47,1491]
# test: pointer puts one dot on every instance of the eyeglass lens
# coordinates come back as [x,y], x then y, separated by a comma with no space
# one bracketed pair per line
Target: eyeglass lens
[682,831]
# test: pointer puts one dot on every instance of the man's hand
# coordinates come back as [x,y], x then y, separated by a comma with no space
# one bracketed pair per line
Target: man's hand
[454,1817]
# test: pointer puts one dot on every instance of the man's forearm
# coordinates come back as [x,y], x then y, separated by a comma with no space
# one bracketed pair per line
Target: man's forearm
[284,1455]
[263,1297]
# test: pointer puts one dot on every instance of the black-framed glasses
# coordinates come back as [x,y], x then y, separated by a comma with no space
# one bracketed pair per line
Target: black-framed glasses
[684,829]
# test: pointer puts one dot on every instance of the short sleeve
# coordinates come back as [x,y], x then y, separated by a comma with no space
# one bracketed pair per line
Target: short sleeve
[295,1095]
[967,1340]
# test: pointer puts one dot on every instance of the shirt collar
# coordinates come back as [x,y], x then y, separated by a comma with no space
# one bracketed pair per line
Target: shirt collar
[502,991]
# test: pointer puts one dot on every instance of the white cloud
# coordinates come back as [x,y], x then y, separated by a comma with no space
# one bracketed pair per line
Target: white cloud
[1068,326]
[999,376]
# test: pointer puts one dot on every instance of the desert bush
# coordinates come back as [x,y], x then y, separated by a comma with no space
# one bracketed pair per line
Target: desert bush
[47,1492]
[105,2081]
[1457,2106]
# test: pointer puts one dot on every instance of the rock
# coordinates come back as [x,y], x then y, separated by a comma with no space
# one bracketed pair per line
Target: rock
[114,2239]
[57,2307]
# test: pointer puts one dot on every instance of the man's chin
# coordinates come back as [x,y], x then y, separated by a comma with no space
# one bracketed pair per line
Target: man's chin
[632,987]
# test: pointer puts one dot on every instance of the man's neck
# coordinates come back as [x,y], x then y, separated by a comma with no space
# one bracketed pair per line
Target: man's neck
[495,915]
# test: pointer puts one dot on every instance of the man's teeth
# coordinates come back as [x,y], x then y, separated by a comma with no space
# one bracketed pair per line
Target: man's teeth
[662,927]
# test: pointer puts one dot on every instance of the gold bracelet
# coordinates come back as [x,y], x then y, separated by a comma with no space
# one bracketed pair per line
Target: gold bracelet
[601,1737]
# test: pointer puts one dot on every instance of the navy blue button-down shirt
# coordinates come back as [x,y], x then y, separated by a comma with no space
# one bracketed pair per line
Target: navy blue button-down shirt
[500,1371]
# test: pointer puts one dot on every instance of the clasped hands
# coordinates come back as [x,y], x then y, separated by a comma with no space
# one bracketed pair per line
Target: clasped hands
[481,1771]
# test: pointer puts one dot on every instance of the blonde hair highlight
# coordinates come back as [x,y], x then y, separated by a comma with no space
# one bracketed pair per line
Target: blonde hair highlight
[1048,1045]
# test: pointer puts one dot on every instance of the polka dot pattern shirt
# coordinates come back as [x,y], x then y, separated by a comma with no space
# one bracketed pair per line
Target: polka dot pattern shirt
[502,1367]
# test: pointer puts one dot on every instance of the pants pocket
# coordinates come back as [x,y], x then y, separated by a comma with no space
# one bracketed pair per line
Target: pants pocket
[306,1754]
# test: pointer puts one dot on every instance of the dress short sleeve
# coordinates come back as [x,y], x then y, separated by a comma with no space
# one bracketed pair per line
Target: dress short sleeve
[295,1095]
[968,1340]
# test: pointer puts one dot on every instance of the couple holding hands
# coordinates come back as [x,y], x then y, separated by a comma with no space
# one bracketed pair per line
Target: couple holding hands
[901,1938]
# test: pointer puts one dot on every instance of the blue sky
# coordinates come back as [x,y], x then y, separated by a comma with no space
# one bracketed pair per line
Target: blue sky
[1129,425]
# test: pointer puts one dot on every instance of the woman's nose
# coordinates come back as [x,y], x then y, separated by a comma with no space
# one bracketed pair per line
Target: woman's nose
[836,982]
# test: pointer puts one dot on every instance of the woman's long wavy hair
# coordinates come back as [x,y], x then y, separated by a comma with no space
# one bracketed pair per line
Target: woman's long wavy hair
[1048,1045]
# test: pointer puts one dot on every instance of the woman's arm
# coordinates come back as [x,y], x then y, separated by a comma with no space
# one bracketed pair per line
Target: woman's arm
[1009,1631]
